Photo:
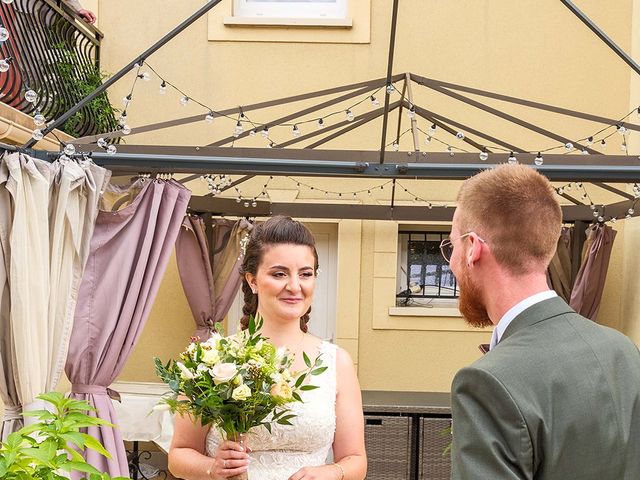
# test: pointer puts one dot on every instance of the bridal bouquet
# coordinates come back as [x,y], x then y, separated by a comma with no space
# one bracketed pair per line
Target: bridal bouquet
[236,383]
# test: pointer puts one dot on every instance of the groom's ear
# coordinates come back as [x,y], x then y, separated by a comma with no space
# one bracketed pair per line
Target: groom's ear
[475,249]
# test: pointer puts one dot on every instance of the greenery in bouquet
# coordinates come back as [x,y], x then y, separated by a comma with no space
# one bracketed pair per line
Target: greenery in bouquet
[52,447]
[236,383]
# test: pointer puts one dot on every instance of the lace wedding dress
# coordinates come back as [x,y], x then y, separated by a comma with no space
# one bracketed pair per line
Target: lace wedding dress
[278,455]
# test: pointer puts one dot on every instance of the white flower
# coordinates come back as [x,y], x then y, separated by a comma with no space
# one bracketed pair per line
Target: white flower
[191,348]
[201,368]
[210,357]
[185,373]
[282,391]
[223,372]
[258,345]
[276,377]
[214,340]
[241,393]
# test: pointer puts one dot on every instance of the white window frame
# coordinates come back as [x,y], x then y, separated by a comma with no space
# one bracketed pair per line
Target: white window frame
[291,9]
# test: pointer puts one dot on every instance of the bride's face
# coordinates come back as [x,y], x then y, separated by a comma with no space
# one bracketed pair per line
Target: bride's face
[285,281]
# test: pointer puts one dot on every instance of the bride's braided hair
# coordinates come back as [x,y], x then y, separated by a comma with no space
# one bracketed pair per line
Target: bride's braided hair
[277,230]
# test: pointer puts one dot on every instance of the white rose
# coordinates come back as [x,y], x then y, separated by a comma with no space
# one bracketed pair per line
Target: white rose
[185,373]
[210,357]
[241,393]
[223,372]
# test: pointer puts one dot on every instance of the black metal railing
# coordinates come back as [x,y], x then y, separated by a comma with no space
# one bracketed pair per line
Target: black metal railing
[55,54]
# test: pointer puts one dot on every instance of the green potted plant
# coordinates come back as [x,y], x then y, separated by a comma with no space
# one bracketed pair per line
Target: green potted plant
[51,448]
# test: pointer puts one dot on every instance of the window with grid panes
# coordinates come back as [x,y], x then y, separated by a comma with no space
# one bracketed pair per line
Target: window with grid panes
[423,274]
[319,9]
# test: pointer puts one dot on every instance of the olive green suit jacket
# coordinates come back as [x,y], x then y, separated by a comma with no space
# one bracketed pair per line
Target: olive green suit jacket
[557,399]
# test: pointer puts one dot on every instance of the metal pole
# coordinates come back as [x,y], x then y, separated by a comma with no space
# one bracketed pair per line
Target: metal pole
[414,122]
[138,60]
[392,43]
[603,36]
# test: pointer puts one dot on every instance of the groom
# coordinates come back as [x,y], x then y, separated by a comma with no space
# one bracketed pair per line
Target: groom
[557,397]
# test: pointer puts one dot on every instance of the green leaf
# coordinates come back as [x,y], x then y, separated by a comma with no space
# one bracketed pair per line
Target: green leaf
[318,371]
[308,387]
[95,445]
[41,455]
[75,455]
[266,425]
[296,396]
[73,437]
[252,325]
[300,380]
[307,362]
[52,397]
[80,467]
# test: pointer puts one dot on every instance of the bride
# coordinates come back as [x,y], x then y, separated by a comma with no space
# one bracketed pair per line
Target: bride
[280,267]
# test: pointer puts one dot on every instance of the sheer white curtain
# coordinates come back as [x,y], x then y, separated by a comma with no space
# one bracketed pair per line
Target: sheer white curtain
[51,210]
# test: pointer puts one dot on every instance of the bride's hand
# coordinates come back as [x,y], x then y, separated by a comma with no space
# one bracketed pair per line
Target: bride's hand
[324,472]
[230,459]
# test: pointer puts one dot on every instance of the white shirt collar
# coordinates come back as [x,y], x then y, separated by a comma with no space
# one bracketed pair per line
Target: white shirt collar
[516,310]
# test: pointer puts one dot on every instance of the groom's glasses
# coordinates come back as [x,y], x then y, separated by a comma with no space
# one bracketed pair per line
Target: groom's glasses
[446,245]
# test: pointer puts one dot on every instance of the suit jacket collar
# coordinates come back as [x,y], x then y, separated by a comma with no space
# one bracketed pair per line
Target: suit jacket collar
[537,313]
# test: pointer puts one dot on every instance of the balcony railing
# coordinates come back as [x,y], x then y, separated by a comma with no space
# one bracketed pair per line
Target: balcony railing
[55,54]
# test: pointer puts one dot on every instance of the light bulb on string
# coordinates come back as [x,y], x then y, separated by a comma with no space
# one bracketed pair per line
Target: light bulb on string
[31,96]
[585,151]
[163,88]
[69,149]
[460,135]
[184,101]
[126,129]
[295,131]
[450,150]
[127,100]
[4,65]
[395,146]
[390,89]
[4,34]
[122,120]
[38,119]
[427,140]
[238,130]
[252,133]
[265,132]
[320,123]
[631,211]
[102,143]
[539,160]
[568,146]
[432,129]
[37,134]
[484,155]
[349,115]
[622,129]
[603,143]
[111,149]
[144,76]
[209,117]
[512,159]
[412,112]
[374,101]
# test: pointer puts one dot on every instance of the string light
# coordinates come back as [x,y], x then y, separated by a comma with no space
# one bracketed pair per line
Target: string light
[432,129]
[539,160]
[31,96]
[4,34]
[184,101]
[209,117]
[127,100]
[4,65]
[38,119]
[163,88]
[460,135]
[374,101]
[349,115]
[484,155]
[512,159]
[412,112]
[144,76]
[295,131]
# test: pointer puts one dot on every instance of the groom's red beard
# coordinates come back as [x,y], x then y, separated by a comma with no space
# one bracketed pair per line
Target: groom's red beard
[471,305]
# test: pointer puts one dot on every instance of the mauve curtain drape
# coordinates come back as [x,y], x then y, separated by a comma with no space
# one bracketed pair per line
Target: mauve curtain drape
[586,294]
[129,252]
[210,289]
[559,272]
[47,213]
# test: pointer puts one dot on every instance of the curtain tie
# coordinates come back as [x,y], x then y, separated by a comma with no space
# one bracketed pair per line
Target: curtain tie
[82,388]
[12,413]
